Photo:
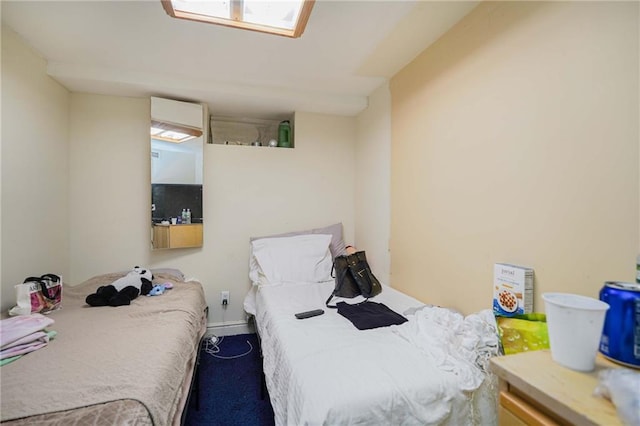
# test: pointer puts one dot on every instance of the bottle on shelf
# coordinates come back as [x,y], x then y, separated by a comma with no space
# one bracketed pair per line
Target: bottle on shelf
[284,134]
[188,216]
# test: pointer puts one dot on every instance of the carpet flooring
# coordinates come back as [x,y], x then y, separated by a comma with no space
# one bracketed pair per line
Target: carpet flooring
[230,381]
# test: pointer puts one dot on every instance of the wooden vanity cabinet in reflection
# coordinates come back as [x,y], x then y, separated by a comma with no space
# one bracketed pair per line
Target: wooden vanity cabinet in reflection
[177,236]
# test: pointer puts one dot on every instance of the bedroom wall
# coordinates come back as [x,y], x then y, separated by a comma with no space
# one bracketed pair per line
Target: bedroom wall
[515,139]
[248,191]
[34,212]
[373,182]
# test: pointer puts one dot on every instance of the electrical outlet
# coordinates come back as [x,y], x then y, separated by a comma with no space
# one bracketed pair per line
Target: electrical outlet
[224,298]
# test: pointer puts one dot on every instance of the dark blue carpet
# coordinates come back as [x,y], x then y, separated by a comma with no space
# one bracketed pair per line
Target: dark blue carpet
[230,388]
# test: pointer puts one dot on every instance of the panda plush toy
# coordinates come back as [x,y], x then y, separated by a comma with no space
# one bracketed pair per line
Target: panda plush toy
[123,290]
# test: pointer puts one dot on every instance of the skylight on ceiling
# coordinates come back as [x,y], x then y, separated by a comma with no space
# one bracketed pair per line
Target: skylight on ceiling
[281,17]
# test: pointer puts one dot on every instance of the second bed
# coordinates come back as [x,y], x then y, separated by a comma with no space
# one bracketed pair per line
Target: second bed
[431,369]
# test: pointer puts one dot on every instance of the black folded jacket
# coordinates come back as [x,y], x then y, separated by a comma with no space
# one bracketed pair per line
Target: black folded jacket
[367,315]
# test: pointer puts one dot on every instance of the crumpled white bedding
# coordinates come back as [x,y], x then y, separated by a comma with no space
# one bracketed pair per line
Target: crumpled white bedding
[461,345]
[323,370]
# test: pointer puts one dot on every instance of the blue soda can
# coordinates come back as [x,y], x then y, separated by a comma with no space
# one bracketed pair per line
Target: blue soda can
[620,340]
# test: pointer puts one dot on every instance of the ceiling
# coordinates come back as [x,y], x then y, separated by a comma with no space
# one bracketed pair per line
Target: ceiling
[133,48]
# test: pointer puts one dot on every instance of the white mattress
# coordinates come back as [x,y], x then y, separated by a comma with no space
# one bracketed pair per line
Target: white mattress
[323,370]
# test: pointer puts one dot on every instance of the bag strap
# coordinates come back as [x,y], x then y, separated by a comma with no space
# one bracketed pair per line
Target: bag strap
[329,300]
[340,283]
[53,277]
[338,286]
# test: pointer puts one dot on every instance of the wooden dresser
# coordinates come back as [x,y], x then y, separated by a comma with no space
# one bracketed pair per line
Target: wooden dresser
[535,390]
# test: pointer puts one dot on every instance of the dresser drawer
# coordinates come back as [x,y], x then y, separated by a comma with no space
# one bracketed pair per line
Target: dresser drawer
[516,411]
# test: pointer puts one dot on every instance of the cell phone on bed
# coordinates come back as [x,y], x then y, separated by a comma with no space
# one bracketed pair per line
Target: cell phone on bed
[309,314]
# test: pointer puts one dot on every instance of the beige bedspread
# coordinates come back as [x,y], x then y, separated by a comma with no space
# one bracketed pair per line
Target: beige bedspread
[131,355]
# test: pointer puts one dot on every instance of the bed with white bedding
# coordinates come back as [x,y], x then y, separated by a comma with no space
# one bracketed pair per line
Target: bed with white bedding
[431,369]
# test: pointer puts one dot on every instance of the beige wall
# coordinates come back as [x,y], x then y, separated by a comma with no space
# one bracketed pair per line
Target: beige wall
[35,172]
[248,191]
[515,139]
[373,174]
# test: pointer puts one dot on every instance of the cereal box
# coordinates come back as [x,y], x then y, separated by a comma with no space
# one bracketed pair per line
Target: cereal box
[512,290]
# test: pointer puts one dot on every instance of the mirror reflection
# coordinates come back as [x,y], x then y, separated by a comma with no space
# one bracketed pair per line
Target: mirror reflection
[176,173]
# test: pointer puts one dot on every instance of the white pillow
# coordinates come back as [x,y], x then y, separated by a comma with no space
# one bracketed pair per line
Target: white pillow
[301,258]
[337,245]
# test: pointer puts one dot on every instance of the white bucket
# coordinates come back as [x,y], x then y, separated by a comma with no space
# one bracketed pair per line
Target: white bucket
[575,326]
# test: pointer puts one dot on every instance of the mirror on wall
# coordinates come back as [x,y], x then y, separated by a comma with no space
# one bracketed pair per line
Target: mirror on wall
[177,140]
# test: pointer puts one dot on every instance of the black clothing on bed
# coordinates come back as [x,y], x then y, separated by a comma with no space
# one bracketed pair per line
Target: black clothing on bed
[367,315]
